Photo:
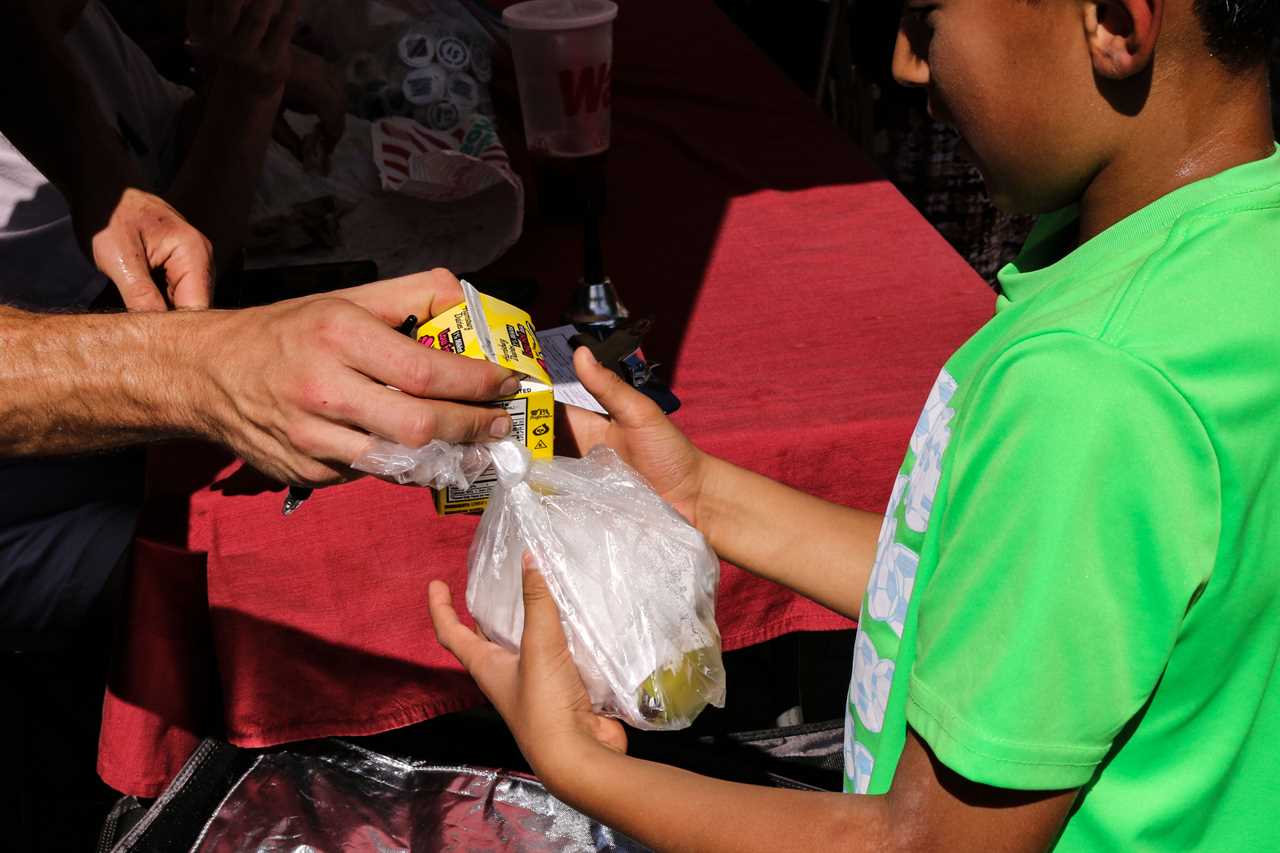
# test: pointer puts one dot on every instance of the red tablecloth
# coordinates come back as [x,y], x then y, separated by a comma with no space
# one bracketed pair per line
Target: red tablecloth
[803,309]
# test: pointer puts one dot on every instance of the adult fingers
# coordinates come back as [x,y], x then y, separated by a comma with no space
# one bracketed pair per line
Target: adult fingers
[255,18]
[624,403]
[327,450]
[300,454]
[217,19]
[424,294]
[187,262]
[124,261]
[380,353]
[226,14]
[280,32]
[413,422]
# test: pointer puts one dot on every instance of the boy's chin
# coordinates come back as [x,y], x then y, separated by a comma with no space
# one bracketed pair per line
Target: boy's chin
[999,191]
[1000,196]
[1013,198]
[1008,202]
[1015,193]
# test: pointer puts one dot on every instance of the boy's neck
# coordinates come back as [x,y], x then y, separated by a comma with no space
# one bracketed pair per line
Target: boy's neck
[1225,122]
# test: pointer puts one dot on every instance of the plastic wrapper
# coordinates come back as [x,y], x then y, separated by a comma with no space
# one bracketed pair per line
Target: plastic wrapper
[634,582]
[437,465]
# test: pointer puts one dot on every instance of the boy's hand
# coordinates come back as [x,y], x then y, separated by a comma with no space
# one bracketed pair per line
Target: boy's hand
[538,692]
[640,433]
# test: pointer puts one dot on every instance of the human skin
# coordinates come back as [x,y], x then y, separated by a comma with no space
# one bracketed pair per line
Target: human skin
[246,46]
[1061,101]
[817,548]
[295,388]
[56,123]
[201,222]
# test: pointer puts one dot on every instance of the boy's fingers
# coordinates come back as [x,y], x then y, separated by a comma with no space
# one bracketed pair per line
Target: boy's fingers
[543,634]
[582,428]
[451,633]
[625,404]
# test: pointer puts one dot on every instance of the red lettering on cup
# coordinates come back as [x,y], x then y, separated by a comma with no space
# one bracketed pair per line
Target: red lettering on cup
[586,90]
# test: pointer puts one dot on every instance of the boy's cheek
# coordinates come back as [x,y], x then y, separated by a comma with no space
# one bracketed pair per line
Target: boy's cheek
[1013,132]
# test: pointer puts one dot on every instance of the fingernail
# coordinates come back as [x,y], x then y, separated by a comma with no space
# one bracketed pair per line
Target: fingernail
[510,386]
[500,428]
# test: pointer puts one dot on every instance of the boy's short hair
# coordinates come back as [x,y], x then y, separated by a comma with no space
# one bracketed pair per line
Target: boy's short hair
[1239,32]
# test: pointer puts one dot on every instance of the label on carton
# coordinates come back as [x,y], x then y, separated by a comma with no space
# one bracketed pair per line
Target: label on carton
[487,328]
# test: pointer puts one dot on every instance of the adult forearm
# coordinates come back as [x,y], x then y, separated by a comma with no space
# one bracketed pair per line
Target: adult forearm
[75,383]
[821,550]
[669,809]
[215,185]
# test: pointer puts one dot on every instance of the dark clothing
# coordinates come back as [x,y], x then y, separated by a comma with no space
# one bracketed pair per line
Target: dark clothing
[64,524]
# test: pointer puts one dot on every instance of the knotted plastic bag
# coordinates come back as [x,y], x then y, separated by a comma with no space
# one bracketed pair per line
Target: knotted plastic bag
[635,584]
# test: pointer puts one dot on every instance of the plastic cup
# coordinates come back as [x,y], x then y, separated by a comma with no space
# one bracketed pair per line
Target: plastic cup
[563,54]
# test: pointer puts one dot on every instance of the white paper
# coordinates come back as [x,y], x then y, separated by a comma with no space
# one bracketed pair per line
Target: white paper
[558,354]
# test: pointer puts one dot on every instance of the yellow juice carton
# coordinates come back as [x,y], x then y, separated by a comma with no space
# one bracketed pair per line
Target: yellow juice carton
[488,328]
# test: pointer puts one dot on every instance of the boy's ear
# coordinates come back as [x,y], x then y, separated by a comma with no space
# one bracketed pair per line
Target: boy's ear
[1122,35]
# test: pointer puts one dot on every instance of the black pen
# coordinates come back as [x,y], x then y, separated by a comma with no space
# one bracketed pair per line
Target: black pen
[293,500]
[298,494]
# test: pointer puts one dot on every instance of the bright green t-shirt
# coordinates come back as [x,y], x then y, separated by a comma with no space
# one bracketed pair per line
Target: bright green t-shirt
[1078,579]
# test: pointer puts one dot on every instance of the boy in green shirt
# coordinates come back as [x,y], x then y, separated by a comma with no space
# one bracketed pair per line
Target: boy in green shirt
[1070,631]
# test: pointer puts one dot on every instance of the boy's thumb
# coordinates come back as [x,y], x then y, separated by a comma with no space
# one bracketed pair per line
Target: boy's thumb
[542,629]
[536,593]
[624,404]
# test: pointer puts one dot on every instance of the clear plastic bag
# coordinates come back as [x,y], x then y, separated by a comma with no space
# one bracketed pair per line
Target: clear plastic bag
[438,465]
[634,582]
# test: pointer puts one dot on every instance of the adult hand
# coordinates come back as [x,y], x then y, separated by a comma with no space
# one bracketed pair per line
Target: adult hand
[640,433]
[247,40]
[58,125]
[537,691]
[296,388]
[134,233]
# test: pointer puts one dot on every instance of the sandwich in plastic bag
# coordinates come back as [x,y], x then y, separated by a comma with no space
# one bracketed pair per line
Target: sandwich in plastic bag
[634,582]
